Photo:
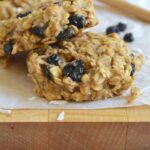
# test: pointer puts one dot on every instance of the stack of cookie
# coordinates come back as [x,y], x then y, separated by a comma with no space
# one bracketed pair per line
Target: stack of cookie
[64,62]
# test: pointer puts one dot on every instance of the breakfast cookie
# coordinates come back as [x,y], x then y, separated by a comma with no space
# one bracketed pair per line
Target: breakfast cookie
[48,23]
[88,67]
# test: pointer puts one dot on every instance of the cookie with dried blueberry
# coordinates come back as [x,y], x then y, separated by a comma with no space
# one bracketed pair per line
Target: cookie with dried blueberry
[48,23]
[87,67]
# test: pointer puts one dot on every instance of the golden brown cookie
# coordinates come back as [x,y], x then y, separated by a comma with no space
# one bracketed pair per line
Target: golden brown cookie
[48,23]
[88,67]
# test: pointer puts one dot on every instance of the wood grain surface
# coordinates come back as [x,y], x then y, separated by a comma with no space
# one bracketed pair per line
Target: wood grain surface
[129,8]
[39,130]
[137,114]
[24,136]
[74,136]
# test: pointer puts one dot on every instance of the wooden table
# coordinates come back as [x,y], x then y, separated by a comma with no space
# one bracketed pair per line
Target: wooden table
[137,114]
[118,129]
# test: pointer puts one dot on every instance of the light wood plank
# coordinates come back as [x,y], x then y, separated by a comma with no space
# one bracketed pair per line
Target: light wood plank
[105,115]
[25,116]
[139,114]
[129,8]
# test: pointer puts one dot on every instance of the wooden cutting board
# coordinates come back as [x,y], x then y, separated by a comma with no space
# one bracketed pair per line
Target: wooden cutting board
[137,114]
[40,130]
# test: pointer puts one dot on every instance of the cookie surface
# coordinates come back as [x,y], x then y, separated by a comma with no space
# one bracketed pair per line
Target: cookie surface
[10,8]
[46,24]
[88,67]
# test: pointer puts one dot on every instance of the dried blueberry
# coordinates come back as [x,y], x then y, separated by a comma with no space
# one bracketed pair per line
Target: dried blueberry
[55,46]
[58,3]
[38,31]
[66,34]
[75,76]
[74,70]
[78,20]
[79,66]
[133,69]
[78,63]
[47,73]
[68,69]
[24,14]
[112,29]
[132,55]
[122,27]
[53,59]
[8,47]
[129,37]
[79,70]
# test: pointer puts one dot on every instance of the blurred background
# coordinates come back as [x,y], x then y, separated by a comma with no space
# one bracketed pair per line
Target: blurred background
[142,3]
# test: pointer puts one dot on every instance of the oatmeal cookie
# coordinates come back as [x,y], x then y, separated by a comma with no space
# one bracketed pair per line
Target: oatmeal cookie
[88,67]
[47,24]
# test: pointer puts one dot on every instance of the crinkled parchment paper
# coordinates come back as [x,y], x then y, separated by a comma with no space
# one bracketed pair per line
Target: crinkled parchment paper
[16,89]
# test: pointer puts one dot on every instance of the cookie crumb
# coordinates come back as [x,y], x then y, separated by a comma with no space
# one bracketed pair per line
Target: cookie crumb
[33,98]
[135,92]
[61,116]
[58,102]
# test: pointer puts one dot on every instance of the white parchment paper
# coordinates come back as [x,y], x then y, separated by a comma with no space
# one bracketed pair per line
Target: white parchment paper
[16,88]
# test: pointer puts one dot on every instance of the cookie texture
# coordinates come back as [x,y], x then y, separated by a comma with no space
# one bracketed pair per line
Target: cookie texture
[48,23]
[7,10]
[10,8]
[86,68]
